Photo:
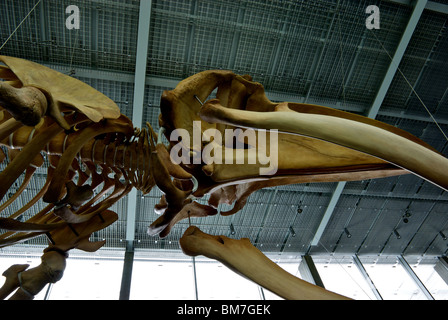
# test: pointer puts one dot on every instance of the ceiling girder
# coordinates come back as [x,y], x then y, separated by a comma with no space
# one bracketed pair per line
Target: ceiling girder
[139,96]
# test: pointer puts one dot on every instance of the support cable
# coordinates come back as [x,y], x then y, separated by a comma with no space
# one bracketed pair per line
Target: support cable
[24,19]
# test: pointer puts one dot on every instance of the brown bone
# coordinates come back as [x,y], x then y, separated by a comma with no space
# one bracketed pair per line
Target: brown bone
[163,225]
[9,126]
[36,198]
[383,144]
[306,156]
[27,105]
[175,198]
[53,194]
[62,90]
[28,153]
[301,159]
[12,279]
[175,171]
[14,225]
[246,260]
[76,195]
[66,214]
[65,239]
[32,281]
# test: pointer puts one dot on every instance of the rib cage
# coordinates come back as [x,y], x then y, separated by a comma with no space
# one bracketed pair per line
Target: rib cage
[86,140]
[113,158]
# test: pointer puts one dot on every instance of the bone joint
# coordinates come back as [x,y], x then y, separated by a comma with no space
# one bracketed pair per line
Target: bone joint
[28,283]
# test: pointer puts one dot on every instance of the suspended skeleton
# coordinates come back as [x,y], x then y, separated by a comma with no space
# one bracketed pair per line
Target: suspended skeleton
[87,140]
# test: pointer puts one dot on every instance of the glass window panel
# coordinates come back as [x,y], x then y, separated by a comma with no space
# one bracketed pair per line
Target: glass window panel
[393,282]
[292,268]
[101,279]
[217,282]
[162,280]
[344,278]
[432,281]
[89,280]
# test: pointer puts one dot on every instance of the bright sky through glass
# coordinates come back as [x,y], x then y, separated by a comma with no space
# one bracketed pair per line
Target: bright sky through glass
[100,279]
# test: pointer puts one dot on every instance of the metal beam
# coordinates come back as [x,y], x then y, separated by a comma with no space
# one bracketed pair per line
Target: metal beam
[44,30]
[398,56]
[414,277]
[93,36]
[431,6]
[126,278]
[328,213]
[236,37]
[308,271]
[437,7]
[141,60]
[366,276]
[137,119]
[261,291]
[139,95]
[315,67]
[190,39]
[281,41]
[441,268]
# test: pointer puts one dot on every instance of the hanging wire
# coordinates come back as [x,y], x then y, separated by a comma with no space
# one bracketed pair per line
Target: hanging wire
[24,19]
[410,86]
[72,71]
